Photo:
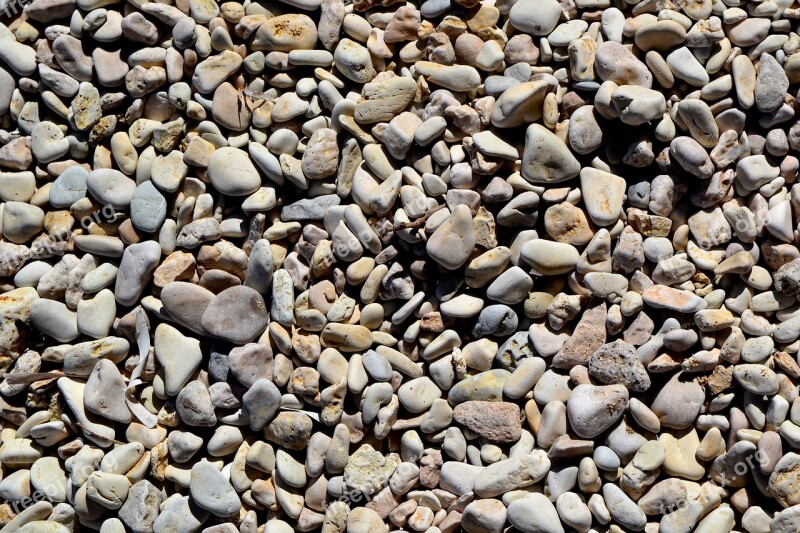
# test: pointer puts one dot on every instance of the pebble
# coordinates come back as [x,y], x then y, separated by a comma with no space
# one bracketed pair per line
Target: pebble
[452,241]
[194,406]
[104,394]
[484,516]
[148,208]
[592,409]
[211,491]
[494,421]
[618,362]
[511,474]
[665,405]
[550,258]
[227,318]
[604,194]
[54,319]
[771,84]
[178,355]
[546,158]
[111,187]
[623,510]
[533,513]
[539,21]
[135,271]
[614,62]
[232,173]
[186,303]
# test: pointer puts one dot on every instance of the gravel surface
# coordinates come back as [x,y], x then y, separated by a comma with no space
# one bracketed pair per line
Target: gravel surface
[432,266]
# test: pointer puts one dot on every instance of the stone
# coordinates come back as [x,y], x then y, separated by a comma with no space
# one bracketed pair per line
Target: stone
[186,303]
[512,474]
[614,62]
[140,510]
[135,271]
[550,258]
[691,397]
[104,394]
[211,491]
[494,421]
[546,158]
[284,33]
[237,314]
[368,470]
[534,513]
[54,319]
[194,405]
[593,409]
[232,172]
[603,195]
[148,208]
[178,355]
[453,241]
[618,362]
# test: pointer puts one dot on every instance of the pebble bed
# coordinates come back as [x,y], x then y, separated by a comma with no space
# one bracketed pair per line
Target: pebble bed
[431,266]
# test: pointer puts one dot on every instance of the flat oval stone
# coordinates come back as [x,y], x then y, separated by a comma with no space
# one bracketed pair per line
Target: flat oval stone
[148,208]
[487,515]
[512,474]
[661,35]
[136,268]
[487,386]
[535,17]
[663,297]
[284,33]
[69,187]
[593,409]
[757,379]
[623,509]
[54,319]
[111,187]
[534,513]
[678,402]
[417,395]
[237,314]
[550,258]
[186,303]
[232,172]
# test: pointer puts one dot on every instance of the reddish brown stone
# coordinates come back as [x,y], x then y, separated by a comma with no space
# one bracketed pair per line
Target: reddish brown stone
[589,335]
[430,466]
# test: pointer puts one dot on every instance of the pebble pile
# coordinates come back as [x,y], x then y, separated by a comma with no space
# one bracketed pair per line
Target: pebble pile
[432,266]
